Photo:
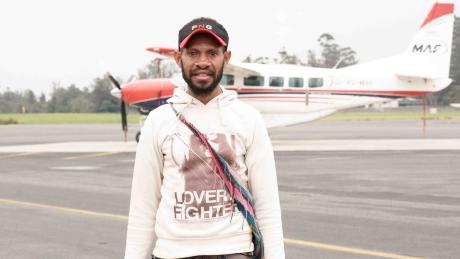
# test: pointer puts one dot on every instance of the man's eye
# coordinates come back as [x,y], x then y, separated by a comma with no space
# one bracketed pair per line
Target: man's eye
[193,54]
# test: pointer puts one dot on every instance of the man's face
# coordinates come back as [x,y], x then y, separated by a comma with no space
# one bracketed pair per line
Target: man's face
[202,61]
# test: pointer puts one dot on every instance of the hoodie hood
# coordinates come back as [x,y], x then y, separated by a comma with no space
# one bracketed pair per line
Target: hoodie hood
[180,96]
[182,100]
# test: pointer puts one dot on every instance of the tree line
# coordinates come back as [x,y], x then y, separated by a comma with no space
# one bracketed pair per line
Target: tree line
[330,54]
[95,98]
[452,93]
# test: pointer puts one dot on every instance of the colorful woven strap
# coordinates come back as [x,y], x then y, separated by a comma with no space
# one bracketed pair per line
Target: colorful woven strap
[239,193]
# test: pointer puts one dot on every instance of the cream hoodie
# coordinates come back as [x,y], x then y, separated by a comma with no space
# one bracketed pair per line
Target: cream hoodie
[176,197]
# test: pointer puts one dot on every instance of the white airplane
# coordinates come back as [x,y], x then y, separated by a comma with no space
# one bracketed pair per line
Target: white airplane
[290,94]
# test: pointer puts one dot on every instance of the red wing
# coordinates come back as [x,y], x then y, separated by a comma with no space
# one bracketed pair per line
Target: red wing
[168,52]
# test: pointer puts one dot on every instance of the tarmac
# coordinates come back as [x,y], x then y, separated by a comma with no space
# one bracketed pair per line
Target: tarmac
[362,189]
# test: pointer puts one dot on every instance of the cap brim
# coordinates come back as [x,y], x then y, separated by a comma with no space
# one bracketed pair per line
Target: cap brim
[201,30]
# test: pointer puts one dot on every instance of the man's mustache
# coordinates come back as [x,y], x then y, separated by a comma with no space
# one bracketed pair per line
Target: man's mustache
[198,71]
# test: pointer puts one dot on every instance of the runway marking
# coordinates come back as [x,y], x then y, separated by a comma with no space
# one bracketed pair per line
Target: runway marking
[351,250]
[108,147]
[75,168]
[64,209]
[90,155]
[20,154]
[288,241]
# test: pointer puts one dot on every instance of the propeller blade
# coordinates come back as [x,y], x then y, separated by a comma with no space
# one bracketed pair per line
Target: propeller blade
[114,81]
[124,120]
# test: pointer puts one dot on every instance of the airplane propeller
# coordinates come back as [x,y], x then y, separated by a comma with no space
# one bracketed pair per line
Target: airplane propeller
[124,121]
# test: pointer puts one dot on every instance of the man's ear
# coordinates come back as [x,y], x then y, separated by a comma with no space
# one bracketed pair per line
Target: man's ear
[177,56]
[227,56]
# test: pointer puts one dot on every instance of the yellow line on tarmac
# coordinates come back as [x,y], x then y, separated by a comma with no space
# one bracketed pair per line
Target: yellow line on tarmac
[288,241]
[345,249]
[64,209]
[90,155]
[19,154]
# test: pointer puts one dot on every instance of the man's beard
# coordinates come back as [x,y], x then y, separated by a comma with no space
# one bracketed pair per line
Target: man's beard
[202,91]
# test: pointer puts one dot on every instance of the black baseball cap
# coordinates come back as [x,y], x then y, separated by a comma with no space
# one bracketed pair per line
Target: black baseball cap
[203,25]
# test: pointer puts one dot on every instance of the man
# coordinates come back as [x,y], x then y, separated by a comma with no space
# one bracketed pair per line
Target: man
[204,182]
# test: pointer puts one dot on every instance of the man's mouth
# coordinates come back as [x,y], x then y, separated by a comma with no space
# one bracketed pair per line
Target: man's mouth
[202,75]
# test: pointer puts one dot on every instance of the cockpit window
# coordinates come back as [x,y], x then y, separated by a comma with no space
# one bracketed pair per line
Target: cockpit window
[296,82]
[315,82]
[227,79]
[276,81]
[254,81]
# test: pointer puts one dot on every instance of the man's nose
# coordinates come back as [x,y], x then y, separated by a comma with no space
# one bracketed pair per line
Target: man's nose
[203,61]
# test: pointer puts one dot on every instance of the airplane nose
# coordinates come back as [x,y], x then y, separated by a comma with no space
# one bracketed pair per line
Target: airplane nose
[116,92]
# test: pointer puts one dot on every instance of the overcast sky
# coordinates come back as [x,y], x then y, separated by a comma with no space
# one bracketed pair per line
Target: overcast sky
[74,41]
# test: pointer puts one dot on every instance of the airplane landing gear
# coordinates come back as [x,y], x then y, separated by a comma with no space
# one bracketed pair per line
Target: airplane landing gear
[141,124]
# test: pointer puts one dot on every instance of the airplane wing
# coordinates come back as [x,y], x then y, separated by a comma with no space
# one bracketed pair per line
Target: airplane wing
[281,119]
[239,71]
[235,69]
[162,51]
[288,119]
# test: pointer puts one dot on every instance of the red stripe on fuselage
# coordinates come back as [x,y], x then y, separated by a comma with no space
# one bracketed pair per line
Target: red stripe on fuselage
[357,92]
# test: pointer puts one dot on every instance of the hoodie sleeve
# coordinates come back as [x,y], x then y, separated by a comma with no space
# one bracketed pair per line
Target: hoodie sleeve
[264,188]
[145,195]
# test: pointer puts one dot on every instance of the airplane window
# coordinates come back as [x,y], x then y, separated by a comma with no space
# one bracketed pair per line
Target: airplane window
[276,81]
[254,81]
[315,82]
[227,79]
[295,82]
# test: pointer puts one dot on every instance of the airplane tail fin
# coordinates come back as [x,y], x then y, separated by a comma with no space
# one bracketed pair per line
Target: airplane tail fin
[428,55]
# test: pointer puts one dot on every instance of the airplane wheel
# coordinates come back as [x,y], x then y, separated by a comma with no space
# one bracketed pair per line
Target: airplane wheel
[138,135]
